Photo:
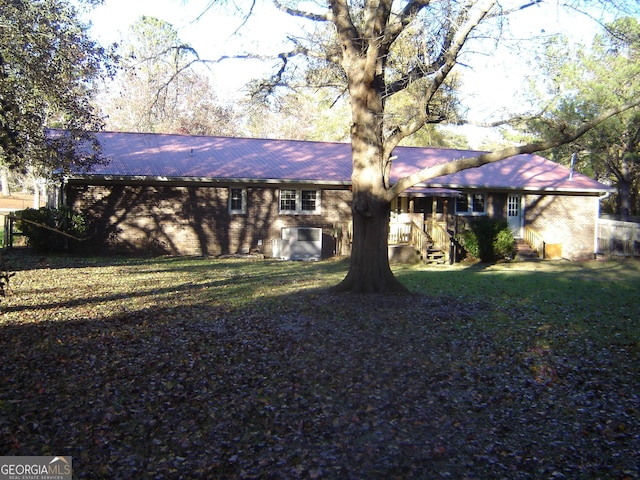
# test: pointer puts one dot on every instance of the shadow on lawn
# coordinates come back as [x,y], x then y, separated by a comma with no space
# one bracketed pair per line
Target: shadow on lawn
[484,378]
[25,258]
[312,385]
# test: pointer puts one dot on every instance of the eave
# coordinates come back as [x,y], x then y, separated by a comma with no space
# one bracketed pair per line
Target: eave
[526,189]
[204,181]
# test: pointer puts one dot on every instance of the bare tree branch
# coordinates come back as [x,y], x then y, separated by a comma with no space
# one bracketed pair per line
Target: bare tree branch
[469,19]
[213,3]
[300,13]
[562,138]
[347,32]
[407,15]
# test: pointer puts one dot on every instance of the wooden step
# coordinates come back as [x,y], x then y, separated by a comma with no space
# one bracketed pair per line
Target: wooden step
[435,256]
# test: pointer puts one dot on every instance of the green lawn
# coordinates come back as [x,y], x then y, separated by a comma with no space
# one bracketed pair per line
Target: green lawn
[205,368]
[597,299]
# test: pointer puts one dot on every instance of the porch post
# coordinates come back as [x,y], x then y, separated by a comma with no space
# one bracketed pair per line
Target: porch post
[434,210]
[446,213]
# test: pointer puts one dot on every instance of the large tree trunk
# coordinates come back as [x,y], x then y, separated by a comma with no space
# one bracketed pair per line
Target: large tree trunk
[364,56]
[369,270]
[624,189]
[624,199]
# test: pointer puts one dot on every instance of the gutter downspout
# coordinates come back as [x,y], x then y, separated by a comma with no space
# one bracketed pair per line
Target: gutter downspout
[595,233]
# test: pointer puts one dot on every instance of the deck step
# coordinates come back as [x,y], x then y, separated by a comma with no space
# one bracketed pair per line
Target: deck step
[435,256]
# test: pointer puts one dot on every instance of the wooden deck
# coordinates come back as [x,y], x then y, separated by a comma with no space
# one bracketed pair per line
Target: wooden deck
[404,236]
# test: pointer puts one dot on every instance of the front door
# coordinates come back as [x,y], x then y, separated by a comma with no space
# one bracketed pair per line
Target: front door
[514,215]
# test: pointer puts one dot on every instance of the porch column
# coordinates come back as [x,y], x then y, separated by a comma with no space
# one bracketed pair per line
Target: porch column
[434,210]
[445,203]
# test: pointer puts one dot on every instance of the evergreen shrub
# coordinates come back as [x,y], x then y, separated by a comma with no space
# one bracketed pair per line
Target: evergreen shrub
[45,228]
[489,240]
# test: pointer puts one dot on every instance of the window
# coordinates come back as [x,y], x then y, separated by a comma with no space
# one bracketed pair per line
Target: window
[308,200]
[299,201]
[287,201]
[477,203]
[237,200]
[471,204]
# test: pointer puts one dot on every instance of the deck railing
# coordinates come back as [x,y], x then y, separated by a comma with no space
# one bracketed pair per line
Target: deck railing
[420,240]
[410,233]
[535,241]
[399,232]
[439,235]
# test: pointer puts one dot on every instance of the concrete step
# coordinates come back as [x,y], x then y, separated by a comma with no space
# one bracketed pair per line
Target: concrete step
[524,251]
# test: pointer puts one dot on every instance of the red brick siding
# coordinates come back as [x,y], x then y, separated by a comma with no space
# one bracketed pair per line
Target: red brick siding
[566,220]
[497,205]
[196,220]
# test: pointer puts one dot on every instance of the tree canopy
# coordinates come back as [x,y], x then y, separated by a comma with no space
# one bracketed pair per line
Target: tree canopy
[159,90]
[48,69]
[582,79]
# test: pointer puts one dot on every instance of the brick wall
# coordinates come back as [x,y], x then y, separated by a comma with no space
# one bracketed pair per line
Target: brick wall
[497,205]
[565,220]
[195,220]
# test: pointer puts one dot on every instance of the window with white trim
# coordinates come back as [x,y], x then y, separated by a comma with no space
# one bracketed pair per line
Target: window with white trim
[237,200]
[294,202]
[471,204]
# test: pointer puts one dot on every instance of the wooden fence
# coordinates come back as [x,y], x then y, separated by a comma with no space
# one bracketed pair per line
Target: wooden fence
[618,238]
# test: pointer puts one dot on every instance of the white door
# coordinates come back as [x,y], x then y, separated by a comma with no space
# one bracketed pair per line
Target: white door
[514,215]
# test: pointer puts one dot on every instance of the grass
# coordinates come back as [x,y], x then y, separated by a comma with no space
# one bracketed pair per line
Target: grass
[596,299]
[209,368]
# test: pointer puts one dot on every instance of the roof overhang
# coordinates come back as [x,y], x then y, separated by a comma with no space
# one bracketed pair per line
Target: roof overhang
[424,191]
[205,181]
[562,190]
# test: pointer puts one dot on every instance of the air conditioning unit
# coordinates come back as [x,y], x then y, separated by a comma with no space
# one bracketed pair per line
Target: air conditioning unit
[300,243]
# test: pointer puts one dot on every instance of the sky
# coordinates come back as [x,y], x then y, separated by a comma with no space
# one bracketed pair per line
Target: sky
[215,35]
[212,34]
[491,80]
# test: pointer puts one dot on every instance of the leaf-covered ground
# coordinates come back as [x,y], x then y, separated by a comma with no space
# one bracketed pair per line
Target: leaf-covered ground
[187,368]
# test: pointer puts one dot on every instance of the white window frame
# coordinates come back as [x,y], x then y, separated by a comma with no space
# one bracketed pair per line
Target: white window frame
[470,211]
[298,202]
[243,209]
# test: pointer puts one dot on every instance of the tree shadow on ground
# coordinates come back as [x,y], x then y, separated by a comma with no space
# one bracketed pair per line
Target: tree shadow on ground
[312,385]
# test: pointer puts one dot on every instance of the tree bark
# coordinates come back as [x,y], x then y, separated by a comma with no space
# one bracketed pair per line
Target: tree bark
[4,179]
[624,189]
[369,270]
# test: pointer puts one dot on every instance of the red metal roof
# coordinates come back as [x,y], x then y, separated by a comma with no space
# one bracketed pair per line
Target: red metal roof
[180,156]
[200,157]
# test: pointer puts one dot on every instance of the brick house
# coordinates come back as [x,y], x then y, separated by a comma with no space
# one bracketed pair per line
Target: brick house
[196,195]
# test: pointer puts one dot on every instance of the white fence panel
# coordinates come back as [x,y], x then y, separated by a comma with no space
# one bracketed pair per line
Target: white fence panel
[618,238]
